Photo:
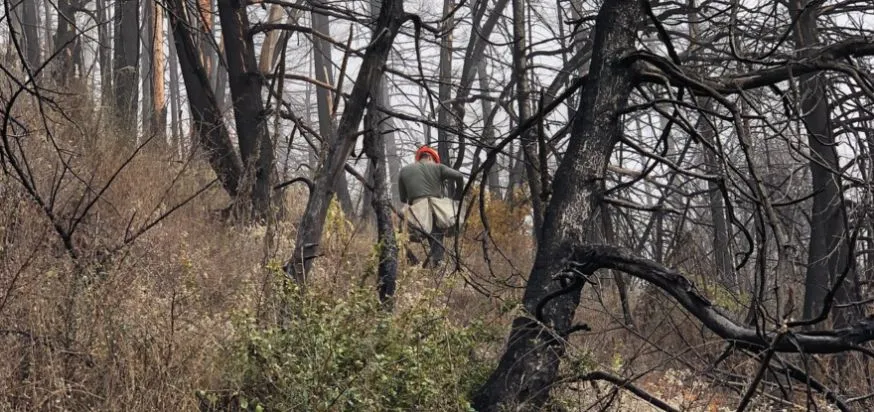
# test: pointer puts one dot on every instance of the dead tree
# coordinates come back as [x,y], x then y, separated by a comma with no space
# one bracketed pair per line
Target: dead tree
[391,17]
[256,147]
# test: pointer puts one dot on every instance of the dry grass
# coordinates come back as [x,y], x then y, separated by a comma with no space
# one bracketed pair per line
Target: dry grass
[143,326]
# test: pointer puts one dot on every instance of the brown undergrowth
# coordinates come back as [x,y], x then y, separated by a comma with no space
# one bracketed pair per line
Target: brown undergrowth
[155,303]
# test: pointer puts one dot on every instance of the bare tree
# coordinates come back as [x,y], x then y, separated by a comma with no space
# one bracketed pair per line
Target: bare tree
[207,120]
[533,168]
[444,142]
[125,63]
[386,27]
[256,147]
[528,368]
[65,41]
[104,53]
[324,74]
[529,365]
[175,105]
[374,146]
[30,30]
[158,119]
[828,247]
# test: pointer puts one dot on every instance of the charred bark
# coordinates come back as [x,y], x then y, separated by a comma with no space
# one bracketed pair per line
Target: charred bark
[245,80]
[324,73]
[104,54]
[208,125]
[175,105]
[494,183]
[29,25]
[523,99]
[65,38]
[125,64]
[528,367]
[828,247]
[391,17]
[444,89]
[374,147]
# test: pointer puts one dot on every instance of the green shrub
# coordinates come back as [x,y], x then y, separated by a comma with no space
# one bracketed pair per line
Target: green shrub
[348,354]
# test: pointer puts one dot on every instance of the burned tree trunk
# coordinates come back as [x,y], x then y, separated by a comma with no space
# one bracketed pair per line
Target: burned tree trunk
[245,80]
[391,17]
[324,74]
[720,240]
[374,146]
[529,365]
[828,247]
[125,64]
[529,142]
[175,105]
[444,89]
[65,38]
[494,181]
[104,54]
[207,122]
[29,23]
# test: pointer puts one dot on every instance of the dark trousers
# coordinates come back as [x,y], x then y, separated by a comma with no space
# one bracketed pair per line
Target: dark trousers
[437,251]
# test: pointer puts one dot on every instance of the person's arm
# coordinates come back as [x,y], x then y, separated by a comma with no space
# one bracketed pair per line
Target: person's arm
[448,173]
[402,191]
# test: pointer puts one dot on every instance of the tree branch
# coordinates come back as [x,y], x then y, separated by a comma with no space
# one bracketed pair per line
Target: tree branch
[686,294]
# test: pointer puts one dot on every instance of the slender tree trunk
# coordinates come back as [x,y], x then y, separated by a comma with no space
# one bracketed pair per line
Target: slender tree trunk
[175,109]
[16,30]
[381,203]
[494,182]
[366,214]
[104,54]
[158,120]
[386,132]
[828,247]
[394,165]
[256,147]
[207,122]
[146,68]
[218,78]
[312,152]
[324,73]
[474,57]
[205,40]
[620,278]
[444,92]
[266,61]
[720,240]
[529,365]
[125,64]
[30,24]
[523,99]
[312,223]
[377,130]
[517,174]
[47,7]
[65,38]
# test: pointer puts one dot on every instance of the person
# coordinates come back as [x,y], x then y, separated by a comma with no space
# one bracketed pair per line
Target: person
[419,182]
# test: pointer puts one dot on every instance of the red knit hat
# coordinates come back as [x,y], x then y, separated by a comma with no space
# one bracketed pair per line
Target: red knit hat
[425,150]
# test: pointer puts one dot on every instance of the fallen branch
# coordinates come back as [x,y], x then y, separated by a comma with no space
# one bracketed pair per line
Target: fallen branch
[626,384]
[593,257]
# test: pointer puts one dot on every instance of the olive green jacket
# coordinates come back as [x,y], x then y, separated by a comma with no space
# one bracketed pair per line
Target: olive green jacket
[422,179]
